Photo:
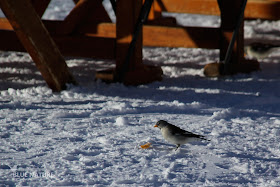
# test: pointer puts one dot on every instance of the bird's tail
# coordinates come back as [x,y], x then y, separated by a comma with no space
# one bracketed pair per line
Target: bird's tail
[203,138]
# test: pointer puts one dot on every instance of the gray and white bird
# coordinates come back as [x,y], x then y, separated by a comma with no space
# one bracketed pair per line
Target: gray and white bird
[259,50]
[176,135]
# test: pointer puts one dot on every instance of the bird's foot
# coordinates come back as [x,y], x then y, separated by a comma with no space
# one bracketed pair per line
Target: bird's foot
[177,147]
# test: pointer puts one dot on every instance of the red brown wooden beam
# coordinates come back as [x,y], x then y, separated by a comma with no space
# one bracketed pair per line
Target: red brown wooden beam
[5,24]
[191,37]
[190,6]
[263,10]
[75,46]
[37,41]
[163,36]
[152,36]
[268,9]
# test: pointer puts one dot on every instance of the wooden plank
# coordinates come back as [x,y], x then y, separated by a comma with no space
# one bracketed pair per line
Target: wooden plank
[51,25]
[163,36]
[268,9]
[5,24]
[190,6]
[99,30]
[191,37]
[37,41]
[75,46]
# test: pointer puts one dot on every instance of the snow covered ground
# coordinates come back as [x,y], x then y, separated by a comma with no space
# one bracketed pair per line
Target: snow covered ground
[91,134]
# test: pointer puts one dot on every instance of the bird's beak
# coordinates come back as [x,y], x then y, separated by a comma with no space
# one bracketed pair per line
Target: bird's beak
[156,126]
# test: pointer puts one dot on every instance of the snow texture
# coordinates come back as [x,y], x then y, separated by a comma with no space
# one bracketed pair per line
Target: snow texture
[91,134]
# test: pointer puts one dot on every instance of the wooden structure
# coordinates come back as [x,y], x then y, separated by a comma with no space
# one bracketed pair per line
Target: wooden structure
[36,40]
[88,32]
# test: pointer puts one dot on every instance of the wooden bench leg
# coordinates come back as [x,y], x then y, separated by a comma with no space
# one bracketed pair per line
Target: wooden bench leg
[229,14]
[238,64]
[127,14]
[37,42]
[136,72]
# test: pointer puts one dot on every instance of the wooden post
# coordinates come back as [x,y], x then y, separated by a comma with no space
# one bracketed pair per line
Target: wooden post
[230,10]
[261,9]
[38,43]
[127,14]
[137,73]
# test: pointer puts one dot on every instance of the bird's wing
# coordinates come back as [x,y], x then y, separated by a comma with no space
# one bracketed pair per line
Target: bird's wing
[176,130]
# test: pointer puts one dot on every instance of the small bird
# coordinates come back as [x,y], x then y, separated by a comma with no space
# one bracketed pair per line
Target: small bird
[175,135]
[260,51]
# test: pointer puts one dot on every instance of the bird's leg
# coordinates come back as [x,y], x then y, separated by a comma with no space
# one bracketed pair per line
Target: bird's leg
[178,145]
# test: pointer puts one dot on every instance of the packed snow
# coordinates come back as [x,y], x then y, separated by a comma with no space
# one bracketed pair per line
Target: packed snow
[91,134]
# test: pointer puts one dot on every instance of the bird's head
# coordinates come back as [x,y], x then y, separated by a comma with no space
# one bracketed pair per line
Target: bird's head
[161,123]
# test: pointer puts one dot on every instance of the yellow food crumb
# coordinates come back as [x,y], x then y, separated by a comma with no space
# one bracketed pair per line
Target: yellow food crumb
[146,146]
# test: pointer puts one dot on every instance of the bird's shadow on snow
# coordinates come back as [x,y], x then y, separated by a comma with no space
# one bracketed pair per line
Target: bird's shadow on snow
[168,148]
